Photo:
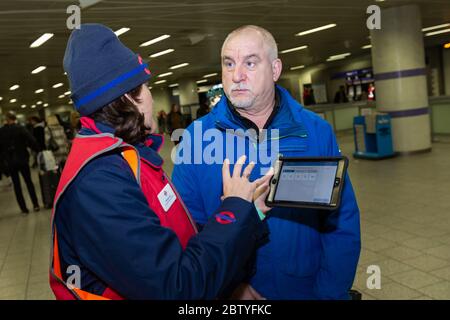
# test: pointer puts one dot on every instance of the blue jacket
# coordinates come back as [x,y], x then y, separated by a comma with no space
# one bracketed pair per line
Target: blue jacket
[311,254]
[107,228]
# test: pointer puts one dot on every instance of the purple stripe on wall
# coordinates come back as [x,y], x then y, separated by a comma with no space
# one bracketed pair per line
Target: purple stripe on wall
[400,74]
[407,113]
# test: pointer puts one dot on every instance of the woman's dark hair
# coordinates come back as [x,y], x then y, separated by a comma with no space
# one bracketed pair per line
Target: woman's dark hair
[124,117]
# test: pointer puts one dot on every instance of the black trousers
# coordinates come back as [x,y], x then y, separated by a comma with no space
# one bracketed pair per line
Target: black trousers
[26,174]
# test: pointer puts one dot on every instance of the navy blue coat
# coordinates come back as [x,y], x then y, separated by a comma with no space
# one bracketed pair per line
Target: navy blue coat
[106,227]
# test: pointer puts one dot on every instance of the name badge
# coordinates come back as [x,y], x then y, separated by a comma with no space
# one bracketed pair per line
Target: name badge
[167,197]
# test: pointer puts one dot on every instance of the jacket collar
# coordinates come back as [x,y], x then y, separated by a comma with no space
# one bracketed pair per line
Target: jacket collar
[147,150]
[287,119]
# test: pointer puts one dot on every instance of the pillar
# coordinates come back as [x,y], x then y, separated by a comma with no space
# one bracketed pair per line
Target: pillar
[398,60]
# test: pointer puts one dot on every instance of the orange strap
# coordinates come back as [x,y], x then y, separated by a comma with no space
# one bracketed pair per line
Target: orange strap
[84,295]
[132,158]
[56,261]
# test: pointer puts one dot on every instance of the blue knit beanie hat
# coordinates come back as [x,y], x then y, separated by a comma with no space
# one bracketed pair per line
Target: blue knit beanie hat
[100,68]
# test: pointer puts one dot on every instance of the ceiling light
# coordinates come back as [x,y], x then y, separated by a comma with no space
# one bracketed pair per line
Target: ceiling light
[14,87]
[210,75]
[23,106]
[39,91]
[38,69]
[334,59]
[65,73]
[297,67]
[160,38]
[41,40]
[39,102]
[45,105]
[161,53]
[436,27]
[61,96]
[368,46]
[328,26]
[202,81]
[181,65]
[150,88]
[338,56]
[342,55]
[57,85]
[70,102]
[160,81]
[173,85]
[294,49]
[33,106]
[1,98]
[121,31]
[446,46]
[436,32]
[12,100]
[67,93]
[165,74]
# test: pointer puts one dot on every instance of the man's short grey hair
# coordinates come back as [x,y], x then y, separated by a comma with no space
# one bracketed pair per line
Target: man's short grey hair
[269,41]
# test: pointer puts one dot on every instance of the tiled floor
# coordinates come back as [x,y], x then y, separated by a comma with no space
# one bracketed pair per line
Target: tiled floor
[405,224]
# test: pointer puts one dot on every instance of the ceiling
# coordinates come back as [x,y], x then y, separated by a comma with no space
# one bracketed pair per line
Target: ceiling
[197,30]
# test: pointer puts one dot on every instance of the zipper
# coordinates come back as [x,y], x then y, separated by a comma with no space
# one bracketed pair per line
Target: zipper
[303,134]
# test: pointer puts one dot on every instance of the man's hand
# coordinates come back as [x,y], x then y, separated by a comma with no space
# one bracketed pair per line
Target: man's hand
[246,292]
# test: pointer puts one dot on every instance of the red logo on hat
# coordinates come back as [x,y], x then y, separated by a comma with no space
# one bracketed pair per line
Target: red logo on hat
[142,62]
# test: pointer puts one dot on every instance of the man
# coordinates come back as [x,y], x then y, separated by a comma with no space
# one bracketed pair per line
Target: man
[341,95]
[14,140]
[311,254]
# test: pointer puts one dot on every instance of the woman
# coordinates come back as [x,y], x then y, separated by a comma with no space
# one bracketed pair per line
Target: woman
[120,230]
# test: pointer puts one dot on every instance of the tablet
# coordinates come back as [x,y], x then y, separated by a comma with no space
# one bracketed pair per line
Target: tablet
[307,182]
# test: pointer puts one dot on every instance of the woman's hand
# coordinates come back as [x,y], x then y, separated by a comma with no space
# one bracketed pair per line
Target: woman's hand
[237,184]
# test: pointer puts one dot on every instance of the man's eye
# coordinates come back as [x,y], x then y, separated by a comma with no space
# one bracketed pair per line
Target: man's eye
[229,64]
[251,64]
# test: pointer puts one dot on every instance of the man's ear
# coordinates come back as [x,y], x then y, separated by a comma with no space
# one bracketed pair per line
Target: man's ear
[277,67]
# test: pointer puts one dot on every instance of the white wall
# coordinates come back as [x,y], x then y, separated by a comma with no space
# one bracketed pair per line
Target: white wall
[161,99]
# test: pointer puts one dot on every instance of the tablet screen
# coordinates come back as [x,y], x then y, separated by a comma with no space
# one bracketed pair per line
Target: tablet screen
[311,182]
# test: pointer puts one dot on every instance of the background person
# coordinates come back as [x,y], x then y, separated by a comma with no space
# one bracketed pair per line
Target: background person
[14,141]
